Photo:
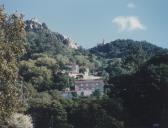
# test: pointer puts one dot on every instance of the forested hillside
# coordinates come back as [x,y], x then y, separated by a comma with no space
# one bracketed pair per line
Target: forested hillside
[124,48]
[34,75]
[41,40]
[125,56]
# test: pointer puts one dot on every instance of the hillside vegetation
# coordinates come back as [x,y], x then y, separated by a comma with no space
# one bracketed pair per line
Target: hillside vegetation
[34,62]
[124,48]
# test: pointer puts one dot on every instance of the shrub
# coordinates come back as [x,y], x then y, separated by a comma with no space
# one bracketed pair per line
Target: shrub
[18,120]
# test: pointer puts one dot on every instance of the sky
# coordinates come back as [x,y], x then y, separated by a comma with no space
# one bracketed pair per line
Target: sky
[89,22]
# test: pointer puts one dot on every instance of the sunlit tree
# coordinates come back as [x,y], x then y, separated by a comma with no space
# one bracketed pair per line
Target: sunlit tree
[11,48]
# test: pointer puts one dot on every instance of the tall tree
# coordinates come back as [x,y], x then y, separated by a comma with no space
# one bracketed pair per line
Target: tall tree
[11,48]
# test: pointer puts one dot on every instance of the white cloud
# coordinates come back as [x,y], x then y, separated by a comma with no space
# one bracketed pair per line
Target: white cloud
[131,5]
[128,23]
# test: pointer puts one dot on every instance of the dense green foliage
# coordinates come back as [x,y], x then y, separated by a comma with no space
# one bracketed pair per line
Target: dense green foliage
[50,110]
[136,76]
[125,48]
[123,62]
[47,42]
[145,92]
[125,56]
[11,48]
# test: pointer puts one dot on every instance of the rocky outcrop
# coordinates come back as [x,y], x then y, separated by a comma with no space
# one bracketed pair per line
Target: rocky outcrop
[34,25]
[70,43]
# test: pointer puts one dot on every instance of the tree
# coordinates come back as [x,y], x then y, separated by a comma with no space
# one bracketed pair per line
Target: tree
[90,114]
[12,37]
[47,111]
[62,81]
[137,57]
[38,71]
[145,93]
[97,93]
